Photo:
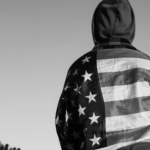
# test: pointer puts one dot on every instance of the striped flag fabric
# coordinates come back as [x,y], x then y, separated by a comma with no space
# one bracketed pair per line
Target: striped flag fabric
[124,82]
[105,103]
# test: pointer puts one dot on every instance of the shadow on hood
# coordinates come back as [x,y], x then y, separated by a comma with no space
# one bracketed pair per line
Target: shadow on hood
[113,18]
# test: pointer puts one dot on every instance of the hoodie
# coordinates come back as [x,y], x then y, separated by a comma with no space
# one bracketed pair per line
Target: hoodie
[105,101]
[113,19]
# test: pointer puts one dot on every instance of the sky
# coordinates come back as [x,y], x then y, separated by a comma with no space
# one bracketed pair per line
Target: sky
[39,40]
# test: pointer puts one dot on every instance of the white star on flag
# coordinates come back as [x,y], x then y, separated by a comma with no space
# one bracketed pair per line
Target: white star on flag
[84,131]
[66,87]
[91,97]
[95,140]
[76,134]
[69,146]
[68,116]
[69,73]
[58,121]
[78,89]
[81,110]
[82,144]
[75,72]
[86,59]
[94,118]
[87,76]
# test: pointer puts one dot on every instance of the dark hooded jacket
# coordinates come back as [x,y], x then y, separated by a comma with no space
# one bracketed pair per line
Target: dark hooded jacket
[105,102]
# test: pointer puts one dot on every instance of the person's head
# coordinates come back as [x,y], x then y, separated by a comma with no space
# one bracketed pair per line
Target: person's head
[6,146]
[113,18]
[2,147]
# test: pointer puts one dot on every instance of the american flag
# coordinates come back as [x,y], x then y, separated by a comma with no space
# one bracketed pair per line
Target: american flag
[105,103]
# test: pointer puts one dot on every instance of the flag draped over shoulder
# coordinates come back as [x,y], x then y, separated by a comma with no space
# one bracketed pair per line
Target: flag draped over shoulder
[125,87]
[105,103]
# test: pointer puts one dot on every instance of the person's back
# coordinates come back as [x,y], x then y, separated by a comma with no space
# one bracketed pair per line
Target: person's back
[105,101]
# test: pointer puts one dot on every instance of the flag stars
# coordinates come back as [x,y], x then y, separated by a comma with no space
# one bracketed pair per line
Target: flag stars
[82,144]
[87,76]
[91,97]
[69,146]
[94,118]
[57,121]
[69,72]
[66,87]
[81,110]
[85,131]
[77,89]
[68,116]
[86,59]
[95,140]
[75,72]
[76,134]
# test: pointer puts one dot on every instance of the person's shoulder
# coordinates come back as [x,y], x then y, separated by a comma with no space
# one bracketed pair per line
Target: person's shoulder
[79,66]
[83,59]
[140,54]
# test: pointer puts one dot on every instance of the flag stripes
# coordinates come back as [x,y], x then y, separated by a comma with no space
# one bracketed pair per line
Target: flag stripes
[121,64]
[127,135]
[123,92]
[127,107]
[121,145]
[120,53]
[125,87]
[124,77]
[126,122]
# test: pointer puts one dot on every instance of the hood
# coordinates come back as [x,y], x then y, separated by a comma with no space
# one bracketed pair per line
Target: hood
[113,19]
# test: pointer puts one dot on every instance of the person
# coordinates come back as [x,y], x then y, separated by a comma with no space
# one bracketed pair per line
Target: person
[6,146]
[105,103]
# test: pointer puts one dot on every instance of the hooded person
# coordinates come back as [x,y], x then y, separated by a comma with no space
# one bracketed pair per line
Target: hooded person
[113,19]
[105,102]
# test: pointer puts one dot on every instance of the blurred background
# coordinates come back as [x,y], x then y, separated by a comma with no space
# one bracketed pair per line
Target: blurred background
[39,40]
